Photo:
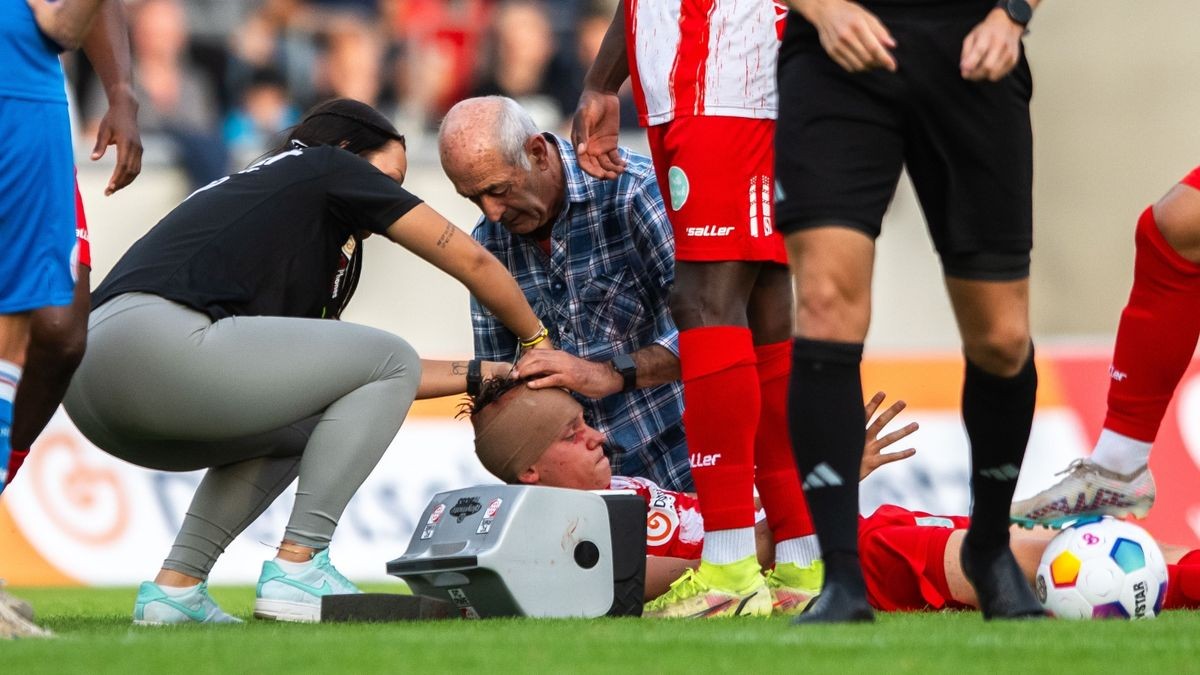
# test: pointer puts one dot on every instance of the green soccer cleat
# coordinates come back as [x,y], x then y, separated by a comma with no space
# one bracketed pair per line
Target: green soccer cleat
[736,589]
[793,587]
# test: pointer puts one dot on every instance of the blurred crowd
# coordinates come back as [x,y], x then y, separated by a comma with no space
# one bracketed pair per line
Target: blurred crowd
[219,79]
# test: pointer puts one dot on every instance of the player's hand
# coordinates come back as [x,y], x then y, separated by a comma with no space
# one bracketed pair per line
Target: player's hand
[555,368]
[594,131]
[992,48]
[852,36]
[873,455]
[119,127]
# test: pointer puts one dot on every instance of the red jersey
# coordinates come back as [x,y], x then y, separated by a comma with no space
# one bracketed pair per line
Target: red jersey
[674,526]
[703,57]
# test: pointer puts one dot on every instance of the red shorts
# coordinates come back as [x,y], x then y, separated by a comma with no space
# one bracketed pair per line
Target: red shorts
[81,231]
[717,177]
[903,558]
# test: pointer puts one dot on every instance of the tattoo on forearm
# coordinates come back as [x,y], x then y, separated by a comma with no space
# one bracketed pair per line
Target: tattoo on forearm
[458,367]
[446,235]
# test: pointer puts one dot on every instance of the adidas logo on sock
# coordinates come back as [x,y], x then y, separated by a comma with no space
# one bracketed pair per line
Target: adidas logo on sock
[1004,472]
[821,476]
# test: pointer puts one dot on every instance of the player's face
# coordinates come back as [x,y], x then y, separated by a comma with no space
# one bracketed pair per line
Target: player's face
[520,199]
[391,159]
[576,459]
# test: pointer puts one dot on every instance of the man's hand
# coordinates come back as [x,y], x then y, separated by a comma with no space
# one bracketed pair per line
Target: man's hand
[555,368]
[853,37]
[873,456]
[992,48]
[119,127]
[594,131]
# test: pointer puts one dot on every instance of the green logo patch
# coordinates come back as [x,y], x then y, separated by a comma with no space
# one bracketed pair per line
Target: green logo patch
[677,181]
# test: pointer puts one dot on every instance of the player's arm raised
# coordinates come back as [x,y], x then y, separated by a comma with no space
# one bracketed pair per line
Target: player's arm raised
[596,126]
[438,241]
[65,21]
[853,37]
[873,455]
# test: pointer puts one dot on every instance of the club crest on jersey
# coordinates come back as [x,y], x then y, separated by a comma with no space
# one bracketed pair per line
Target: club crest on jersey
[677,181]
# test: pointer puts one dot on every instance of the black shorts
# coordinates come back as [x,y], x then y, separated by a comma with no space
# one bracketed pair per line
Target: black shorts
[842,140]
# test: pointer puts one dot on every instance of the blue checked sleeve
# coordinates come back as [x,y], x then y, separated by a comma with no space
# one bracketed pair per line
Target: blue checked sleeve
[651,230]
[493,341]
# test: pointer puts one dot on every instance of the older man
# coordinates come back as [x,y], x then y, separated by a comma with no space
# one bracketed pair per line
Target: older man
[595,259]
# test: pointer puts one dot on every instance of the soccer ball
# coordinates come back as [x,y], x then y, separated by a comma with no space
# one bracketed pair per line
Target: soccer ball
[1102,568]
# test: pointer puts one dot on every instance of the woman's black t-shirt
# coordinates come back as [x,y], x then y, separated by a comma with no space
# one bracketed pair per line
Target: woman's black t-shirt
[278,239]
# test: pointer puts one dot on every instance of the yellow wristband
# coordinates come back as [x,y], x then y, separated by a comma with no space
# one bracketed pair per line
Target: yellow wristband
[537,338]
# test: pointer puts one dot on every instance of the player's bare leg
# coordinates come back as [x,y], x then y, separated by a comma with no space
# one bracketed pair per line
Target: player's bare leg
[999,392]
[721,413]
[57,339]
[832,268]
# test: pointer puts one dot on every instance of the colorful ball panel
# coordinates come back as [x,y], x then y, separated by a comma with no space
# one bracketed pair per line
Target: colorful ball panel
[1064,570]
[1128,554]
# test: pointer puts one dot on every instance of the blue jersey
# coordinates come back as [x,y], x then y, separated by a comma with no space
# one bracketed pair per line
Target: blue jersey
[28,59]
[37,183]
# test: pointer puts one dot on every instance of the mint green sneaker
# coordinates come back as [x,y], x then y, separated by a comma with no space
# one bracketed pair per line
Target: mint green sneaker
[297,597]
[154,607]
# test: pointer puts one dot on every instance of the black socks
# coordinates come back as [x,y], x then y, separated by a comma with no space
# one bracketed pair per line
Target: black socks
[827,423]
[998,414]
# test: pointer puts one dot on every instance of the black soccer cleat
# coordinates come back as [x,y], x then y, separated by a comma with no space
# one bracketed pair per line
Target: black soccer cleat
[1000,585]
[837,603]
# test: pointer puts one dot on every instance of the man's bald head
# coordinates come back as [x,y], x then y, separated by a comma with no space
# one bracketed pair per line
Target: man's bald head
[485,129]
[493,153]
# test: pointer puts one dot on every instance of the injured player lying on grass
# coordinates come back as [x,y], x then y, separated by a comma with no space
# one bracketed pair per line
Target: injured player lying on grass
[910,559]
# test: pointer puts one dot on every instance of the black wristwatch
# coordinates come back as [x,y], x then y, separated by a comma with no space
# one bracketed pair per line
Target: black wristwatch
[1018,11]
[623,364]
[474,376]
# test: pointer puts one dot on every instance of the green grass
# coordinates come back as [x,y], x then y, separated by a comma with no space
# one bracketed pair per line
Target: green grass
[95,636]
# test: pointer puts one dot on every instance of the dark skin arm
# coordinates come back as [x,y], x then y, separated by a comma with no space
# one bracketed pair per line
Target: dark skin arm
[65,21]
[107,48]
[596,126]
[553,368]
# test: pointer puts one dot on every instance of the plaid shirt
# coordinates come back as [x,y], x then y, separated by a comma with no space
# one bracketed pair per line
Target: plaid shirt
[603,291]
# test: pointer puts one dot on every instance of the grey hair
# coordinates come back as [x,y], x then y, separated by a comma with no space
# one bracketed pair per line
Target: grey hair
[513,128]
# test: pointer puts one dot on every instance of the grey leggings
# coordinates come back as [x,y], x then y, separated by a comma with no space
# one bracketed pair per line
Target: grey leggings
[256,400]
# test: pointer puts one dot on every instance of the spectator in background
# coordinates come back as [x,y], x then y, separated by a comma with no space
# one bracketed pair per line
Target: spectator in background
[179,102]
[436,44]
[521,63]
[265,110]
[351,64]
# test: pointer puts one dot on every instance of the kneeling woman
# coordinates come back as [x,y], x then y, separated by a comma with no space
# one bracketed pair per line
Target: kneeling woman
[210,345]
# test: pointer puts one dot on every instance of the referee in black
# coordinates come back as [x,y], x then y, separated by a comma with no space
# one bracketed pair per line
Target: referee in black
[940,87]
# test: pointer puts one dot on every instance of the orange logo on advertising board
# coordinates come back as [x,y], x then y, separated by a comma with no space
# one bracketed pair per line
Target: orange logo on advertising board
[86,502]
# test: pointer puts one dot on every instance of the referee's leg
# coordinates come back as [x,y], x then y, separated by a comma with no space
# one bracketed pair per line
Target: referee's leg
[832,267]
[999,392]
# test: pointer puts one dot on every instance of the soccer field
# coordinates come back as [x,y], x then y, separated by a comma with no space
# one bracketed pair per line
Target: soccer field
[95,636]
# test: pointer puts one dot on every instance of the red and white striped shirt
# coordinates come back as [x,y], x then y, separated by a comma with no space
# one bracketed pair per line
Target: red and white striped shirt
[703,57]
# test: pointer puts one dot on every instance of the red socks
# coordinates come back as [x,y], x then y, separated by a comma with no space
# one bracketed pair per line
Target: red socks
[15,460]
[775,474]
[1157,335]
[721,411]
